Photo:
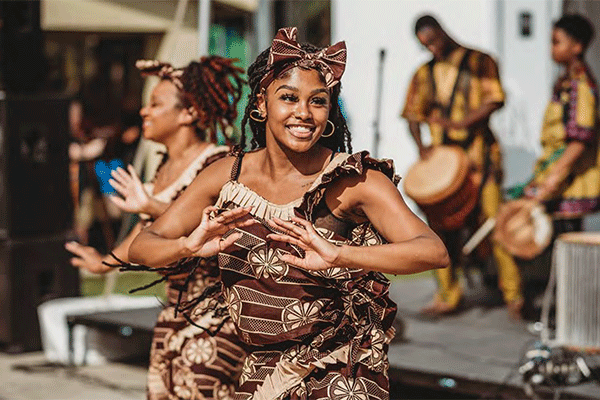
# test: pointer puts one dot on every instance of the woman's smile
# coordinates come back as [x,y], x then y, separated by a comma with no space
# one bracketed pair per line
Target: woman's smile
[301,131]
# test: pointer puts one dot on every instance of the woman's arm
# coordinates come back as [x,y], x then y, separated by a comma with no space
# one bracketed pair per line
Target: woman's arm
[89,259]
[185,229]
[413,246]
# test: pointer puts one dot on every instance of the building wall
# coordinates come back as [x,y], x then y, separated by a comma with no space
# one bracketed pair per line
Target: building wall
[526,69]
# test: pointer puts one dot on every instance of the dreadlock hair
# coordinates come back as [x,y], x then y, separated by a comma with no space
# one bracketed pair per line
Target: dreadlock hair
[213,88]
[210,88]
[339,141]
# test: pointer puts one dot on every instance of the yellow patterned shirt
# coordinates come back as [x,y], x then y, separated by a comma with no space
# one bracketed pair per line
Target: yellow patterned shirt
[572,115]
[477,83]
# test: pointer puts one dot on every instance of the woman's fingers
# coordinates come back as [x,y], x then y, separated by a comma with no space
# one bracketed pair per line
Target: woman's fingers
[287,239]
[75,248]
[293,260]
[231,215]
[289,227]
[304,223]
[121,174]
[133,174]
[229,240]
[119,202]
[77,262]
[118,187]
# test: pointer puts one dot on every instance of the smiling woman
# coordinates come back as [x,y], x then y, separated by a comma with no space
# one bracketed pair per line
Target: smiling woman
[303,231]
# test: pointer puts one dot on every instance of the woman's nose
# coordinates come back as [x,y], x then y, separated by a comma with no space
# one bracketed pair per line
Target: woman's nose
[302,111]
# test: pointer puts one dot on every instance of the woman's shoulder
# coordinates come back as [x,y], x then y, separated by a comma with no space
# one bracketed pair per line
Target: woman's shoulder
[353,175]
[360,164]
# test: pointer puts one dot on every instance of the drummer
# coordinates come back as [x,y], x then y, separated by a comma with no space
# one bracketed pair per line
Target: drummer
[455,93]
[570,182]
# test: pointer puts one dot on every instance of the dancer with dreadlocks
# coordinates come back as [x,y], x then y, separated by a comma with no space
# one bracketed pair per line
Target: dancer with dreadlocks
[186,109]
[303,231]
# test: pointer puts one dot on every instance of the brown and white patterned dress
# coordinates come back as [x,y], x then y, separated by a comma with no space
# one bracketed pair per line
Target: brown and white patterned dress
[311,335]
[185,361]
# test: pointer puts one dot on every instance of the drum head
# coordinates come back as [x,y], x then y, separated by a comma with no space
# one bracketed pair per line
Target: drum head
[523,228]
[592,238]
[437,177]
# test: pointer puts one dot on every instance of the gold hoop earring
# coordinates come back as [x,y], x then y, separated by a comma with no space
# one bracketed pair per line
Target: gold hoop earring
[332,129]
[260,117]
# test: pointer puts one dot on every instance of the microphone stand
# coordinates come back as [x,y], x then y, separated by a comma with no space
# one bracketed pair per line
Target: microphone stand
[376,134]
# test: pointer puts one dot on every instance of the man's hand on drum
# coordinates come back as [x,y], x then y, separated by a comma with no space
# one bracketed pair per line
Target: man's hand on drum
[319,254]
[208,238]
[547,187]
[425,152]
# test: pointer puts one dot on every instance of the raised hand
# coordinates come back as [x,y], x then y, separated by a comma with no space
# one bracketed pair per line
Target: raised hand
[207,239]
[135,197]
[87,258]
[319,253]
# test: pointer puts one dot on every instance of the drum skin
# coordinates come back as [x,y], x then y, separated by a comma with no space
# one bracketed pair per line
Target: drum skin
[444,187]
[523,228]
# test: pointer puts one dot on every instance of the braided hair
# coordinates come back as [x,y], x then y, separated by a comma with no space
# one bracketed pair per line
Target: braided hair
[339,141]
[210,89]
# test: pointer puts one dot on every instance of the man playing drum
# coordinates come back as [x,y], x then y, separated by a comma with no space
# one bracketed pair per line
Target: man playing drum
[455,93]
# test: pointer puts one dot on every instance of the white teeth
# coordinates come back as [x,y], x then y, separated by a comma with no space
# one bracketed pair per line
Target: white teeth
[300,129]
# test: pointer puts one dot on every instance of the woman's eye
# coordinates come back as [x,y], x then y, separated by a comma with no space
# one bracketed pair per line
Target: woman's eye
[288,97]
[320,101]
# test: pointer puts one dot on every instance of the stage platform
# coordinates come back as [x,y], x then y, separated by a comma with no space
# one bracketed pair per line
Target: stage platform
[474,353]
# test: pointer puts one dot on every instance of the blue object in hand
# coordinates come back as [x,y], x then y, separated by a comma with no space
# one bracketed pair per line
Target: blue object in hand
[103,170]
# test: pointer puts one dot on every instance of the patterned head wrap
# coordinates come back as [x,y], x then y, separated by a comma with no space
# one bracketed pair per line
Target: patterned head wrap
[165,71]
[286,54]
[162,70]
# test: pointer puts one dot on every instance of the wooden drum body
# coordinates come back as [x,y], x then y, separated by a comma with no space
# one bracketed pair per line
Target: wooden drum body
[523,228]
[577,266]
[443,186]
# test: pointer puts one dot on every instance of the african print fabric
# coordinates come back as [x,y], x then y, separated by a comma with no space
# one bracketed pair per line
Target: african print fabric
[463,82]
[311,334]
[186,362]
[572,115]
[461,86]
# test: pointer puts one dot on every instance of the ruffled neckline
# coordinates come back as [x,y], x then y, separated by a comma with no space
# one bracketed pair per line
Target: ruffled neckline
[342,164]
[167,194]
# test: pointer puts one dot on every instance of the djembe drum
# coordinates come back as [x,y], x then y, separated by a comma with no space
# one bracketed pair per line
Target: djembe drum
[443,186]
[576,263]
[523,228]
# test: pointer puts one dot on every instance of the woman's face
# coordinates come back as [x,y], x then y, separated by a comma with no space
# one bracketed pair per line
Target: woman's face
[297,107]
[564,47]
[164,115]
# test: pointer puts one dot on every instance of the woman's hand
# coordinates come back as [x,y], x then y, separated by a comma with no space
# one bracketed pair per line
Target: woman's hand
[135,197]
[207,239]
[87,258]
[319,253]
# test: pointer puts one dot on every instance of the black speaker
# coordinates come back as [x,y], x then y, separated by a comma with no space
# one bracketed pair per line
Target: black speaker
[35,197]
[22,61]
[32,271]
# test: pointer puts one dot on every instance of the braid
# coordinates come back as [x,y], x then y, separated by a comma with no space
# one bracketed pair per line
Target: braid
[212,87]
[339,141]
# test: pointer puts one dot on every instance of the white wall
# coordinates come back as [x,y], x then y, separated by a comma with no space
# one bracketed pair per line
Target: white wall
[370,25]
[526,69]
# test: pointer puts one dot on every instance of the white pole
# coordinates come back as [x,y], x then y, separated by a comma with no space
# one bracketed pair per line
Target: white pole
[203,26]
